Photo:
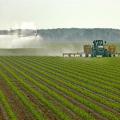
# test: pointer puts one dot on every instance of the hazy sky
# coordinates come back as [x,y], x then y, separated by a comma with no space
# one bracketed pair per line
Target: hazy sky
[60,13]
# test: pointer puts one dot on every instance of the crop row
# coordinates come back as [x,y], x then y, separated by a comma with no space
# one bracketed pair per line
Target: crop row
[96,107]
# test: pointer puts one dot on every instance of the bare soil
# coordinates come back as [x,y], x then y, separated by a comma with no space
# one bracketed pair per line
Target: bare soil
[19,109]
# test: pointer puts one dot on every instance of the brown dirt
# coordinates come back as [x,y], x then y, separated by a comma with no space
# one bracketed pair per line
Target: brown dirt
[82,106]
[99,104]
[72,100]
[67,110]
[17,106]
[95,102]
[47,112]
[50,115]
[3,115]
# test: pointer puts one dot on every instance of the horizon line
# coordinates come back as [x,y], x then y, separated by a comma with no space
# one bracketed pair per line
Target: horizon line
[61,28]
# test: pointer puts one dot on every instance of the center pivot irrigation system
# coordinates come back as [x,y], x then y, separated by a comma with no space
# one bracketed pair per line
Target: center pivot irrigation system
[99,48]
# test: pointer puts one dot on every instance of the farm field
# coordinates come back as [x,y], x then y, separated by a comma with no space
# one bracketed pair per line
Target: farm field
[56,88]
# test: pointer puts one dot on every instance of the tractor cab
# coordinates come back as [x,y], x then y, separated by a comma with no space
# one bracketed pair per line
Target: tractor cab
[98,49]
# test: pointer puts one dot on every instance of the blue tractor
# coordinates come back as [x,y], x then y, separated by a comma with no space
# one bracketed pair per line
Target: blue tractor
[98,49]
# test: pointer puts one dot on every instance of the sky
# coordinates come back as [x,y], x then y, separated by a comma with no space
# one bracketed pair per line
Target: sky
[48,14]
